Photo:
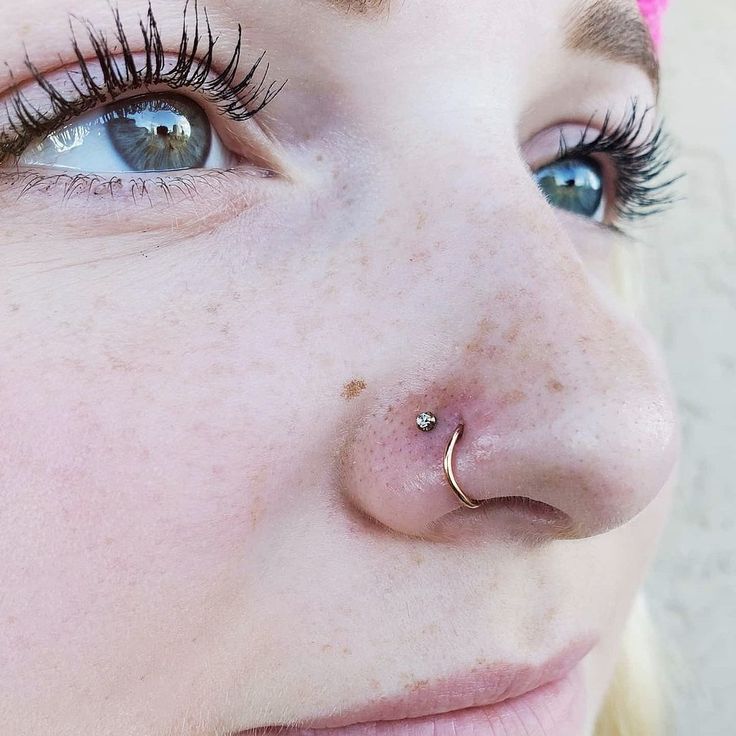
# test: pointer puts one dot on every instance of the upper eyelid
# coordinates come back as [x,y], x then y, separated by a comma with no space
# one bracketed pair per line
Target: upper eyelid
[601,128]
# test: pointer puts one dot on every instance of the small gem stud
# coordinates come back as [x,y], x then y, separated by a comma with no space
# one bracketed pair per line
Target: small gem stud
[426,421]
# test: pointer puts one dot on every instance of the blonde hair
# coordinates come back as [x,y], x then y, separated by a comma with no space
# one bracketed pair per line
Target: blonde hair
[640,698]
[641,695]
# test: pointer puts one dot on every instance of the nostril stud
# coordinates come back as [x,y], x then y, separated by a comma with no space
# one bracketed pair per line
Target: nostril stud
[426,421]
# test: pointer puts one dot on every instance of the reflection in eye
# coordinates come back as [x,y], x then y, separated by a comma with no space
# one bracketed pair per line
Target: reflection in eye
[575,185]
[157,135]
[162,132]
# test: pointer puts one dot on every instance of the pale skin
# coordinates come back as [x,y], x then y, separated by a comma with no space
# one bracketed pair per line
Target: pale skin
[216,511]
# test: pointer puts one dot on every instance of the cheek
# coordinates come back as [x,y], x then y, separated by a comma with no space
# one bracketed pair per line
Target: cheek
[137,465]
[104,516]
[147,426]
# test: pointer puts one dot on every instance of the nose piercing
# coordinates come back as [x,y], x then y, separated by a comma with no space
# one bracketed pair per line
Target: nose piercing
[426,421]
[447,464]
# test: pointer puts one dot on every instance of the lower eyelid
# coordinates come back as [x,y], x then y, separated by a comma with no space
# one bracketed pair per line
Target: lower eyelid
[197,200]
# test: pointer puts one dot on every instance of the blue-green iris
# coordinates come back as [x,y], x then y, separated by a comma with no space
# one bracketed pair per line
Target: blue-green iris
[164,133]
[573,184]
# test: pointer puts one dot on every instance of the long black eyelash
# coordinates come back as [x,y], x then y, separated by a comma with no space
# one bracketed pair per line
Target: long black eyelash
[237,100]
[640,192]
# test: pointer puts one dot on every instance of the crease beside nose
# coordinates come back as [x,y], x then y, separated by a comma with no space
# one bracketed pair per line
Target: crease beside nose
[589,427]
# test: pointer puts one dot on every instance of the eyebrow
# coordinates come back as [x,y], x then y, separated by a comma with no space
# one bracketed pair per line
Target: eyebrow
[605,28]
[615,31]
[362,7]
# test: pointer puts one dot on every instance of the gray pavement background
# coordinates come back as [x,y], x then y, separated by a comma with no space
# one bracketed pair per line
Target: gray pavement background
[690,285]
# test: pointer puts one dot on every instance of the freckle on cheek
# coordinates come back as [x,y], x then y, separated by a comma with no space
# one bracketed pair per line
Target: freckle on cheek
[512,333]
[512,397]
[256,511]
[352,388]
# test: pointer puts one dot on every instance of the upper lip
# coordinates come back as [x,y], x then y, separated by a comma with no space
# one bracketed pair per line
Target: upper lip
[479,685]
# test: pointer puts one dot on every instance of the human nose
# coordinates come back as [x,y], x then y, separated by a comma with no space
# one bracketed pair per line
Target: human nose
[564,400]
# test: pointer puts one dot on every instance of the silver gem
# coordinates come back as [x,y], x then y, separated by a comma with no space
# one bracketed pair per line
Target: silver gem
[426,421]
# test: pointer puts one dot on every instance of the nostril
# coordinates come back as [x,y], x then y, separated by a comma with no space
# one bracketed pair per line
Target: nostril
[528,506]
[518,518]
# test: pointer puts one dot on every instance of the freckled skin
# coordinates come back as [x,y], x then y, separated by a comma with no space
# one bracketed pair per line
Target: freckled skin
[216,509]
[353,388]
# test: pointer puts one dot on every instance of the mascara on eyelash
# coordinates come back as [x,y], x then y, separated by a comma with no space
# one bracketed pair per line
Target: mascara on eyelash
[639,165]
[192,70]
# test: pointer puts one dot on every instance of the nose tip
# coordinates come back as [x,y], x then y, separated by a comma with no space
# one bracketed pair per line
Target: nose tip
[597,463]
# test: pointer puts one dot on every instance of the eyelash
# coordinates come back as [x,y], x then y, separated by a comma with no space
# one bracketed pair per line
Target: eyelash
[639,190]
[190,71]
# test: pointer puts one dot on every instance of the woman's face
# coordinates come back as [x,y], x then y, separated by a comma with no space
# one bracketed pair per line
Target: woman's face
[217,509]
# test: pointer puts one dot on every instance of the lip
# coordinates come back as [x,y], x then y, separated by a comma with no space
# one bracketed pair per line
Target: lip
[521,698]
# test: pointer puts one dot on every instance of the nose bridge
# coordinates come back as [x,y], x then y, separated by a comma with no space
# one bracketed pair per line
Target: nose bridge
[499,252]
[563,397]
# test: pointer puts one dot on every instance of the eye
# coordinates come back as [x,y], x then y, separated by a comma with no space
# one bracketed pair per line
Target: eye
[152,132]
[574,184]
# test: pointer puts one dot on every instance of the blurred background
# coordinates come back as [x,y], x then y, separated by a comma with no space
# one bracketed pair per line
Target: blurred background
[690,283]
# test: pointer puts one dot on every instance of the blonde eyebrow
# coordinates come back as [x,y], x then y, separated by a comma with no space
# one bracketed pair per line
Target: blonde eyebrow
[607,28]
[615,31]
[362,7]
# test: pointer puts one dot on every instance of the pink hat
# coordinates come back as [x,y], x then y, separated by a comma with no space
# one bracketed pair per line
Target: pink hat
[652,11]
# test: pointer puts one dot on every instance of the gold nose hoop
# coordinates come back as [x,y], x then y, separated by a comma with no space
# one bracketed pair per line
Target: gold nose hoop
[447,464]
[426,421]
